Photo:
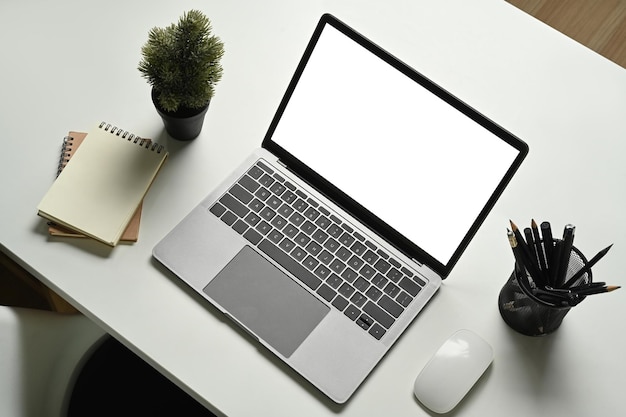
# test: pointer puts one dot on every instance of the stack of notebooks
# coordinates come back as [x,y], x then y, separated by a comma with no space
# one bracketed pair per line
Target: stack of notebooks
[102,179]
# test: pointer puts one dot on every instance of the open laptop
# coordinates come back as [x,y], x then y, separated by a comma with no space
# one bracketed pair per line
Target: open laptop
[329,239]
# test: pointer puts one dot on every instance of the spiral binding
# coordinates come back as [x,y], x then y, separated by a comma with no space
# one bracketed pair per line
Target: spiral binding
[146,143]
[66,148]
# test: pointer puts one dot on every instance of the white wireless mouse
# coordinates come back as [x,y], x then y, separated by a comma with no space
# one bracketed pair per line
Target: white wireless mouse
[452,371]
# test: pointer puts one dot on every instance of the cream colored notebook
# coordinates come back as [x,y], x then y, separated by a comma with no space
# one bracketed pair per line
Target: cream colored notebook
[70,144]
[103,184]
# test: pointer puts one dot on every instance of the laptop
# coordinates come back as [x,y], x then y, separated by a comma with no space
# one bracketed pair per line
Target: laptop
[328,240]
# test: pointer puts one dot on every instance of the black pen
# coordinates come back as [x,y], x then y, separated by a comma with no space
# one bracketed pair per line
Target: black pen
[566,251]
[541,259]
[587,266]
[534,260]
[548,244]
[556,261]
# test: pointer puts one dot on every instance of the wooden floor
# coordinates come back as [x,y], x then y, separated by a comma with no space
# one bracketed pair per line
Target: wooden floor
[598,24]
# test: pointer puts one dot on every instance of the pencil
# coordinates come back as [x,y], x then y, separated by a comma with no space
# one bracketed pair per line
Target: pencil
[587,267]
[524,253]
[514,248]
[600,290]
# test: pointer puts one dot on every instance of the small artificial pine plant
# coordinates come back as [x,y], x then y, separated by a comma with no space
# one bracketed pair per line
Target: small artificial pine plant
[182,63]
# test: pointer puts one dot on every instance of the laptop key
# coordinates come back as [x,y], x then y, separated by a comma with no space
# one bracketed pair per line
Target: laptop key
[284,260]
[287,245]
[349,274]
[265,167]
[262,193]
[256,205]
[285,210]
[242,194]
[374,293]
[365,321]
[322,272]
[266,180]
[253,236]
[252,219]
[298,254]
[346,290]
[263,228]
[234,205]
[275,236]
[340,303]
[390,306]
[326,292]
[288,197]
[352,312]
[290,230]
[300,205]
[382,265]
[229,218]
[410,286]
[217,209]
[404,299]
[378,314]
[240,226]
[391,289]
[249,184]
[358,299]
[394,275]
[334,281]
[334,230]
[377,331]
[255,172]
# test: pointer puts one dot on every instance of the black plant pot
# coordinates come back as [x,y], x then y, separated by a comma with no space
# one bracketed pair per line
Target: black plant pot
[184,124]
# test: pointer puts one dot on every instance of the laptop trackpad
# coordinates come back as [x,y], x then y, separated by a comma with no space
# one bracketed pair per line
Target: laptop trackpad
[265,300]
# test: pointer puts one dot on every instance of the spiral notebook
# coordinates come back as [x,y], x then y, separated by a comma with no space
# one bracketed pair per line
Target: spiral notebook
[70,143]
[102,186]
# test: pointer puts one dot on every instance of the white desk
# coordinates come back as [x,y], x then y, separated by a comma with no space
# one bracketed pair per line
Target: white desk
[67,64]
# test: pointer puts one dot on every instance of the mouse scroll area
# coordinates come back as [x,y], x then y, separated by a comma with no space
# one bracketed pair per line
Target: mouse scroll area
[452,371]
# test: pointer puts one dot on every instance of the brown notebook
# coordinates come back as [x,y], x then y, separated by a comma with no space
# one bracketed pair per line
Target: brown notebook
[70,143]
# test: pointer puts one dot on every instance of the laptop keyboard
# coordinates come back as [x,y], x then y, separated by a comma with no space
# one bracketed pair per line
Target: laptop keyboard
[326,254]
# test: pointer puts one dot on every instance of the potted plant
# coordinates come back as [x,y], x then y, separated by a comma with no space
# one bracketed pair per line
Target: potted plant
[182,63]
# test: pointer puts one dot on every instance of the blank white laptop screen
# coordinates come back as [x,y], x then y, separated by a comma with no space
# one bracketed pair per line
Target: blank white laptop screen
[410,158]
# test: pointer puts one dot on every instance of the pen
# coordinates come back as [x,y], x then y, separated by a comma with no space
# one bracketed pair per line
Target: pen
[587,267]
[541,259]
[554,266]
[530,243]
[565,254]
[548,244]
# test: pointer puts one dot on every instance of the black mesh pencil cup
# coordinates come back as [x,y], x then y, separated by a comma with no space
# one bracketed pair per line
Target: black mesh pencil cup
[531,311]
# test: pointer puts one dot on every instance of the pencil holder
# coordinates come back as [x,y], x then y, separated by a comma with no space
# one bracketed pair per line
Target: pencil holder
[528,314]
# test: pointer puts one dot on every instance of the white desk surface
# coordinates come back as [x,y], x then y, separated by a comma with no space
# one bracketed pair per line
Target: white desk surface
[67,64]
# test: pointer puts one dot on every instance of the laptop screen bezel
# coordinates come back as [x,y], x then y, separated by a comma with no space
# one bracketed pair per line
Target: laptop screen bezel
[353,207]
